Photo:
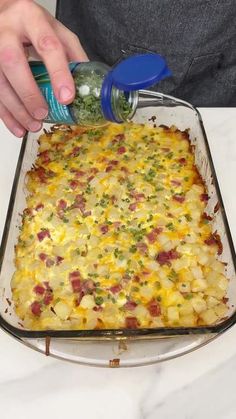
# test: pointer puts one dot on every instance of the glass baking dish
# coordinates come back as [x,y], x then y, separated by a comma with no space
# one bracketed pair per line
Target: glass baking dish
[153,108]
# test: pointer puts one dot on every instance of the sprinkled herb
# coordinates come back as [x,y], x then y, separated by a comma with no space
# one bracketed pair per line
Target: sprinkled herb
[99,300]
[133,249]
[170,226]
[188,296]
[50,217]
[173,276]
[188,217]
[170,155]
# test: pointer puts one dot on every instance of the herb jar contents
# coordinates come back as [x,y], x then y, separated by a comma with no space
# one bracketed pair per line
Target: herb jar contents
[102,94]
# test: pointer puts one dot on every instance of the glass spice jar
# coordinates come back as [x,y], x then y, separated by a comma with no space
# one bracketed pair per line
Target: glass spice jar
[102,94]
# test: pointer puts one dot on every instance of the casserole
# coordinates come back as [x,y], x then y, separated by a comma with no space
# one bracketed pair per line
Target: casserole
[167,111]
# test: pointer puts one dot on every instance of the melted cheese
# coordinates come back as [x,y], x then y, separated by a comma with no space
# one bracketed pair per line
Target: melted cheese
[114,234]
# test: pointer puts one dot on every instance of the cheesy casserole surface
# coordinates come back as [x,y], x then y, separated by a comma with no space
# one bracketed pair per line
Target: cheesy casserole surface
[115,234]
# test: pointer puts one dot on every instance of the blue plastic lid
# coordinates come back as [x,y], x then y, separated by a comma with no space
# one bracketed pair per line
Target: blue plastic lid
[140,71]
[134,73]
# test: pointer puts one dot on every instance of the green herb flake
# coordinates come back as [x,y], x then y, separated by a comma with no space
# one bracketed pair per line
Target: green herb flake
[99,300]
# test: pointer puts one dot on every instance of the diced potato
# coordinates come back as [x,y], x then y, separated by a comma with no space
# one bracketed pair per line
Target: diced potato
[174,298]
[186,308]
[218,266]
[167,283]
[146,291]
[197,272]
[199,304]
[62,310]
[173,314]
[222,283]
[87,301]
[209,316]
[198,285]
[211,301]
[184,286]
[188,321]
[221,310]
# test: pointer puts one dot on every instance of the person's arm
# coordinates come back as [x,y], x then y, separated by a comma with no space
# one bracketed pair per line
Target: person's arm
[24,23]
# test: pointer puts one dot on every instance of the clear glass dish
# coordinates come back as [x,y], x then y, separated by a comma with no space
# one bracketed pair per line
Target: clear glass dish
[122,347]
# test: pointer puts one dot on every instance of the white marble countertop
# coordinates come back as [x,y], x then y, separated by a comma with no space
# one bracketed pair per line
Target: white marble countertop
[198,385]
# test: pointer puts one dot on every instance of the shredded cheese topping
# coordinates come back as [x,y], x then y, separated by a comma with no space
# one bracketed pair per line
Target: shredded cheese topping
[115,234]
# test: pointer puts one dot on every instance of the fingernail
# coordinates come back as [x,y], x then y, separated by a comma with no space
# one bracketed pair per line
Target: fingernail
[65,94]
[40,113]
[35,126]
[18,132]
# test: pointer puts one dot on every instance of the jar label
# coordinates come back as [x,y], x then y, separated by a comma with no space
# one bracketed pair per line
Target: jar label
[56,111]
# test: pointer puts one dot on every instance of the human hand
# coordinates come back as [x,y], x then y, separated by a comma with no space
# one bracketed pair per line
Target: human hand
[23,23]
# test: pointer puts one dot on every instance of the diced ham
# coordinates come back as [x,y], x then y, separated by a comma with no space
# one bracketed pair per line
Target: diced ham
[75,152]
[74,275]
[175,182]
[73,184]
[49,262]
[44,174]
[182,161]
[39,207]
[131,323]
[62,204]
[29,211]
[206,217]
[215,239]
[142,247]
[114,162]
[79,203]
[47,286]
[179,198]
[76,285]
[121,150]
[94,170]
[48,298]
[137,196]
[43,234]
[39,289]
[79,173]
[116,288]
[204,197]
[59,260]
[36,308]
[154,308]
[130,305]
[88,286]
[133,206]
[165,258]
[43,256]
[104,228]
[118,138]
[152,236]
[45,157]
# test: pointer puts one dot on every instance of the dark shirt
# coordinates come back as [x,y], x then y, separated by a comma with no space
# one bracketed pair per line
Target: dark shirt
[197,38]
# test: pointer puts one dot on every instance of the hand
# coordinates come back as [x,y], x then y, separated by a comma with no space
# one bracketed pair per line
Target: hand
[22,24]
